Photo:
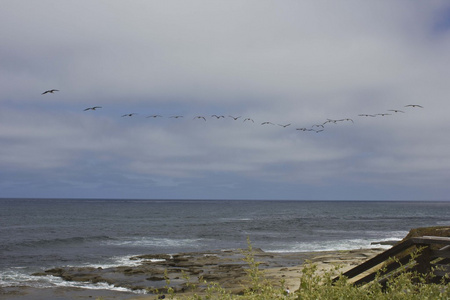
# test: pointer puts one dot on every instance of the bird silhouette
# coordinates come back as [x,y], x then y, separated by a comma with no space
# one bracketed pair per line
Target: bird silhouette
[265,123]
[176,117]
[284,126]
[50,91]
[396,110]
[235,118]
[154,116]
[217,117]
[249,119]
[347,119]
[129,115]
[414,105]
[92,108]
[383,115]
[199,117]
[366,115]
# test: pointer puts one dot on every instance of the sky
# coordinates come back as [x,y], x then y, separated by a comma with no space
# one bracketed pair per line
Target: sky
[333,70]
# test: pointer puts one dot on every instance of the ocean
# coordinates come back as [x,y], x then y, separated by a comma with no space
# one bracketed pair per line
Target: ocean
[38,234]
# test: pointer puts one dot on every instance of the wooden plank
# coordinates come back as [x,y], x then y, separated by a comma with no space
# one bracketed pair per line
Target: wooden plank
[380,258]
[441,270]
[431,240]
[423,259]
[440,254]
[440,273]
[389,268]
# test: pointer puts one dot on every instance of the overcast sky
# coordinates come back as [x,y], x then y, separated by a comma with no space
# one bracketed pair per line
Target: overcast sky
[301,63]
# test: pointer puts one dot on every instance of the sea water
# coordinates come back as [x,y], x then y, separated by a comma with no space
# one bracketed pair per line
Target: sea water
[38,234]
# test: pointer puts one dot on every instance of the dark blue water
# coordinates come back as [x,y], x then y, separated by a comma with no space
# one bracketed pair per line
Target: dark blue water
[37,234]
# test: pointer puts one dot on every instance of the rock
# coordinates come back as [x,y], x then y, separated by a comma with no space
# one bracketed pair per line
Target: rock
[155,278]
[226,268]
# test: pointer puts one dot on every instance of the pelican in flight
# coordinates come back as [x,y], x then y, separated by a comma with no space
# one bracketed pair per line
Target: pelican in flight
[129,115]
[284,126]
[348,119]
[235,118]
[396,110]
[92,108]
[200,117]
[414,105]
[50,91]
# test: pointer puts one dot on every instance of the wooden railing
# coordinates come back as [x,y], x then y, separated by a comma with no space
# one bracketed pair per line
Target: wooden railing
[433,255]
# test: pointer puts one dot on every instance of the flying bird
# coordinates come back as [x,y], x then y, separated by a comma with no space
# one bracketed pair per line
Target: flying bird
[129,115]
[284,126]
[249,119]
[176,117]
[365,115]
[92,108]
[50,91]
[383,115]
[347,119]
[217,117]
[200,117]
[396,110]
[154,116]
[265,123]
[414,105]
[235,118]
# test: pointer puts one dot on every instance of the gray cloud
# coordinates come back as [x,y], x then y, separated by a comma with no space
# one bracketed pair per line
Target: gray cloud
[284,62]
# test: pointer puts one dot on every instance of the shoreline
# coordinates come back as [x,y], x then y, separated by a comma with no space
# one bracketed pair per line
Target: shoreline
[227,268]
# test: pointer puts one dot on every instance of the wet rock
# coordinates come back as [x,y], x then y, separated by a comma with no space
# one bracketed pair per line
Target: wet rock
[155,278]
[226,268]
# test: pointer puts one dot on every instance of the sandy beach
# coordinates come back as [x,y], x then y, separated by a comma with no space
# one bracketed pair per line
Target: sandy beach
[226,268]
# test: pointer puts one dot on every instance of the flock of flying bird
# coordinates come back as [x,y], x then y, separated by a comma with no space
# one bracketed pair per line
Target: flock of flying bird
[314,128]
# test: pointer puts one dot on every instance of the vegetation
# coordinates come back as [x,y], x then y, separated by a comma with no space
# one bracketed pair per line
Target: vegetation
[314,285]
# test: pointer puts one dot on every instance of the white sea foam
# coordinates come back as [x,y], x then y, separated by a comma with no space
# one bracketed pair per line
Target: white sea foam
[155,242]
[235,219]
[116,261]
[443,223]
[16,277]
[56,281]
[350,244]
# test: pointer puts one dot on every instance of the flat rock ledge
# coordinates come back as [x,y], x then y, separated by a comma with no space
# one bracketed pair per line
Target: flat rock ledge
[153,273]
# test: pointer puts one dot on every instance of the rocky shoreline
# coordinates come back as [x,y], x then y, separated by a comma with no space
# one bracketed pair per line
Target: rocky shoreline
[149,273]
